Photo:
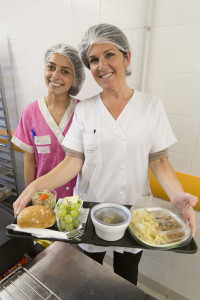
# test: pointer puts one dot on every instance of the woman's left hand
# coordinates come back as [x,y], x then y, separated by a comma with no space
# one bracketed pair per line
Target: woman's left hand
[185,202]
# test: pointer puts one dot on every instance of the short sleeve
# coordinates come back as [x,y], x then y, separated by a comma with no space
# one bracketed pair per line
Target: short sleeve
[22,138]
[163,136]
[73,138]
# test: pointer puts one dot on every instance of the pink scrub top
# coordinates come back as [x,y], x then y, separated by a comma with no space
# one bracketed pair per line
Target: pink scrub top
[38,133]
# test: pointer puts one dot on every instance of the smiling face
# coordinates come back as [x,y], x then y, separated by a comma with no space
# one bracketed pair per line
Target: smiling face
[58,74]
[107,65]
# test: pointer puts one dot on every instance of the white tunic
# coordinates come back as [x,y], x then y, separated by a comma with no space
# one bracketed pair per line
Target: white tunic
[116,165]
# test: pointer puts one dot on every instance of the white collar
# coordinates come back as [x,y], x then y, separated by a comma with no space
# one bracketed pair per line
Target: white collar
[50,120]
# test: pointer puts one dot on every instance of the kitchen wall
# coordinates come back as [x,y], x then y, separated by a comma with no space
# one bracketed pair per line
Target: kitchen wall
[172,71]
[164,36]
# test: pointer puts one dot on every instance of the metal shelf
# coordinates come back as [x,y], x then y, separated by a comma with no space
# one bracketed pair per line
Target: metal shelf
[8,173]
[4,171]
[21,284]
[4,160]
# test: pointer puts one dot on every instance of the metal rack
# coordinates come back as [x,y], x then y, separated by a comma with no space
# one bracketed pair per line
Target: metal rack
[21,284]
[8,176]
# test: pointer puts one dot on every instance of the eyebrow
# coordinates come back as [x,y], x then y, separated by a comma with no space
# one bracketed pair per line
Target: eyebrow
[103,52]
[64,67]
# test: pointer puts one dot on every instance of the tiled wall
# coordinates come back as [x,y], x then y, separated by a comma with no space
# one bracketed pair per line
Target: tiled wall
[172,71]
[169,69]
[29,27]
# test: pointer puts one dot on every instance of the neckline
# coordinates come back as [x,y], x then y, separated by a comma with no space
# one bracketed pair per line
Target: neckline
[57,129]
[57,113]
[107,113]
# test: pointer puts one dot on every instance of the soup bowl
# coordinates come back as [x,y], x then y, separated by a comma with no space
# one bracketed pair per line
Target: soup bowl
[110,220]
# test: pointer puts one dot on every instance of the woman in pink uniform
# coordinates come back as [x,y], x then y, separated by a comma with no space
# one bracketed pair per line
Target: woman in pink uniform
[45,122]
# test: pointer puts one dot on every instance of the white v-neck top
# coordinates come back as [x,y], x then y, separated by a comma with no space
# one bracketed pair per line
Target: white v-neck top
[116,166]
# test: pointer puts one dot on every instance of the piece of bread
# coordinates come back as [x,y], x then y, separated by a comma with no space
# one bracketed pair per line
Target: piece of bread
[36,216]
[73,199]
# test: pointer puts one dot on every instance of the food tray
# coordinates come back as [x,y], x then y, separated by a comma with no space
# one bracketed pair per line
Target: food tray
[89,237]
[159,224]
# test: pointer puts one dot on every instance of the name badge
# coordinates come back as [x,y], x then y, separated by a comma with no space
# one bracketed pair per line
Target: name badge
[42,140]
[45,149]
[91,149]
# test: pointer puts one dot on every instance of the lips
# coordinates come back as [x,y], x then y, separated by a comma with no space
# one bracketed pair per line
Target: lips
[106,75]
[56,84]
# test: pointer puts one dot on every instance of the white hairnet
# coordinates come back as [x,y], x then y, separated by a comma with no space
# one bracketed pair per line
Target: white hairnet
[103,33]
[78,68]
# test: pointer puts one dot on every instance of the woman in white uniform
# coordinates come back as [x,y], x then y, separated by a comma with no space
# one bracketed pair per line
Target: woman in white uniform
[114,138]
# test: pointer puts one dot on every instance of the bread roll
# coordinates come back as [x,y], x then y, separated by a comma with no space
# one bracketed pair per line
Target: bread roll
[37,216]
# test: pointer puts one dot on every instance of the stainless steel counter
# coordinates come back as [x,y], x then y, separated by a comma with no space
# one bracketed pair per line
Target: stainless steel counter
[72,275]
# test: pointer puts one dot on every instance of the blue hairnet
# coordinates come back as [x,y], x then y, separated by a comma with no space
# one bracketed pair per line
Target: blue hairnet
[103,33]
[78,68]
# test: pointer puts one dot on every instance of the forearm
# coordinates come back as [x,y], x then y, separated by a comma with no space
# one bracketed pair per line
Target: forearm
[29,168]
[64,172]
[61,174]
[166,176]
[184,202]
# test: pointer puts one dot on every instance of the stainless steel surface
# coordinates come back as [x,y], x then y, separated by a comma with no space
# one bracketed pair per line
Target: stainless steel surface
[21,284]
[72,275]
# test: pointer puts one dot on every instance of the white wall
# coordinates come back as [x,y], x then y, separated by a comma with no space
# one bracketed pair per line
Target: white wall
[170,70]
[29,27]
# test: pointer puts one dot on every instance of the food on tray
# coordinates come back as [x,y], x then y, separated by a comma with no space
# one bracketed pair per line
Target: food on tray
[155,228]
[45,197]
[110,217]
[110,220]
[36,216]
[72,199]
[68,213]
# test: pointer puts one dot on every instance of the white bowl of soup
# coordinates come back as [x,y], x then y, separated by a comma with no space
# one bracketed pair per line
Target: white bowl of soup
[110,220]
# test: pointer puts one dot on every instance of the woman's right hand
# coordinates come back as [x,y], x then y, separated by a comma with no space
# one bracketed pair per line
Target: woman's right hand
[62,173]
[23,199]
